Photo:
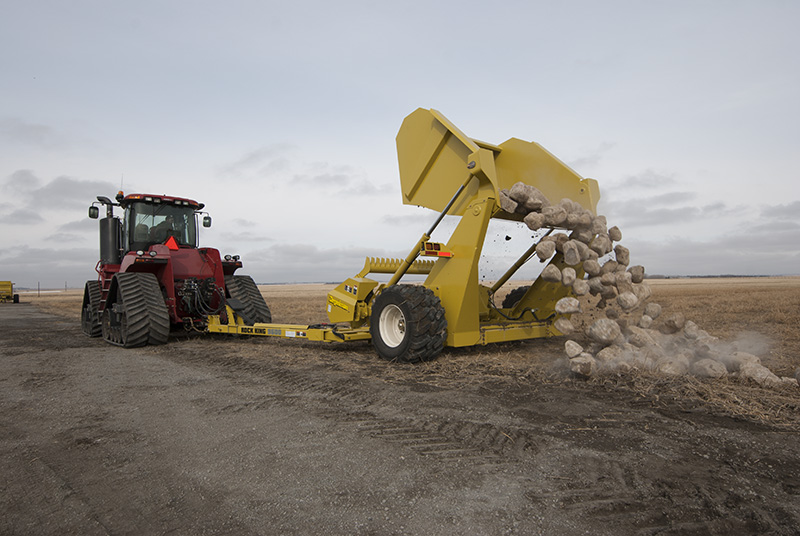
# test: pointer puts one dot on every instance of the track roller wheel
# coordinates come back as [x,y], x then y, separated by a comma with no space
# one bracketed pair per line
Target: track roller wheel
[138,315]
[244,289]
[407,324]
[90,316]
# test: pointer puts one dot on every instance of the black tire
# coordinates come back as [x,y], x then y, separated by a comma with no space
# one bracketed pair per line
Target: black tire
[137,315]
[90,315]
[244,289]
[407,324]
[15,298]
[514,296]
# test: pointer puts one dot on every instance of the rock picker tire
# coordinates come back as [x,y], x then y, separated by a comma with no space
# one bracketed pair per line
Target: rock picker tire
[138,314]
[90,316]
[513,297]
[244,289]
[407,324]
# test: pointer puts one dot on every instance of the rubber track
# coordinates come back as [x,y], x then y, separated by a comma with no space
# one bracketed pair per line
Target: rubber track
[95,328]
[136,317]
[429,323]
[146,314]
[244,289]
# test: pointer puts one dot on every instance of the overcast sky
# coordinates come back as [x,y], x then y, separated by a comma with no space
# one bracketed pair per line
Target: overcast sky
[281,117]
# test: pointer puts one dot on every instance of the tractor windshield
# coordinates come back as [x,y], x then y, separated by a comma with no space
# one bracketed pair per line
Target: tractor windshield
[150,224]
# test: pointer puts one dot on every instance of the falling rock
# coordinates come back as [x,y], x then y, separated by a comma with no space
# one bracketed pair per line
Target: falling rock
[572,255]
[534,220]
[609,267]
[554,216]
[608,279]
[674,366]
[637,273]
[573,349]
[601,244]
[622,280]
[583,364]
[645,322]
[736,360]
[758,374]
[583,250]
[580,287]
[603,331]
[691,330]
[506,203]
[653,310]
[642,291]
[564,326]
[623,255]
[592,267]
[615,234]
[584,235]
[567,306]
[545,249]
[612,313]
[573,220]
[673,323]
[708,368]
[639,337]
[551,274]
[596,286]
[571,206]
[609,292]
[628,301]
[609,354]
[568,276]
[599,225]
[560,239]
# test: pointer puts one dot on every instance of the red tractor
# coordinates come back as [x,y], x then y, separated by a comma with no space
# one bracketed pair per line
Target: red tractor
[153,277]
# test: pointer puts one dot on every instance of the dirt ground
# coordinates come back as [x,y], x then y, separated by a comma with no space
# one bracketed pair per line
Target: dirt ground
[216,435]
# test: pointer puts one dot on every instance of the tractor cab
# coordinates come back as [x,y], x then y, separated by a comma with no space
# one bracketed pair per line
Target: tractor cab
[151,220]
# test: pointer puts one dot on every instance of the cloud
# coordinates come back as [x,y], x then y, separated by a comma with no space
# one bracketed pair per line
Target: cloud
[67,192]
[790,211]
[84,225]
[19,132]
[592,159]
[63,238]
[22,217]
[52,267]
[21,182]
[646,180]
[263,161]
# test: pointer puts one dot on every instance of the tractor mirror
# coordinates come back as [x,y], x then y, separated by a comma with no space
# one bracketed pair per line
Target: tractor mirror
[94,212]
[206,221]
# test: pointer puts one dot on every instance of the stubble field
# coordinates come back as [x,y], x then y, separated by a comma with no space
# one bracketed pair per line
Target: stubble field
[260,436]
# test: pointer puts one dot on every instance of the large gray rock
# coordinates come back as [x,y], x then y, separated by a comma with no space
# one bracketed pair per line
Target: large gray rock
[580,287]
[734,361]
[564,326]
[708,368]
[639,337]
[572,255]
[573,349]
[759,374]
[551,274]
[584,364]
[653,310]
[645,322]
[601,245]
[628,301]
[568,276]
[609,267]
[637,273]
[623,282]
[674,366]
[596,286]
[599,225]
[623,255]
[506,203]
[615,234]
[592,267]
[534,220]
[545,249]
[554,216]
[567,306]
[673,323]
[603,331]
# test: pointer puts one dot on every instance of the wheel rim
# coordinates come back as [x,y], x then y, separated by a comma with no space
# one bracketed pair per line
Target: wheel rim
[392,325]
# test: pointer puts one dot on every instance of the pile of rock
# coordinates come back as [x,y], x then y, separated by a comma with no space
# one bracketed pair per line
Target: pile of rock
[634,334]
